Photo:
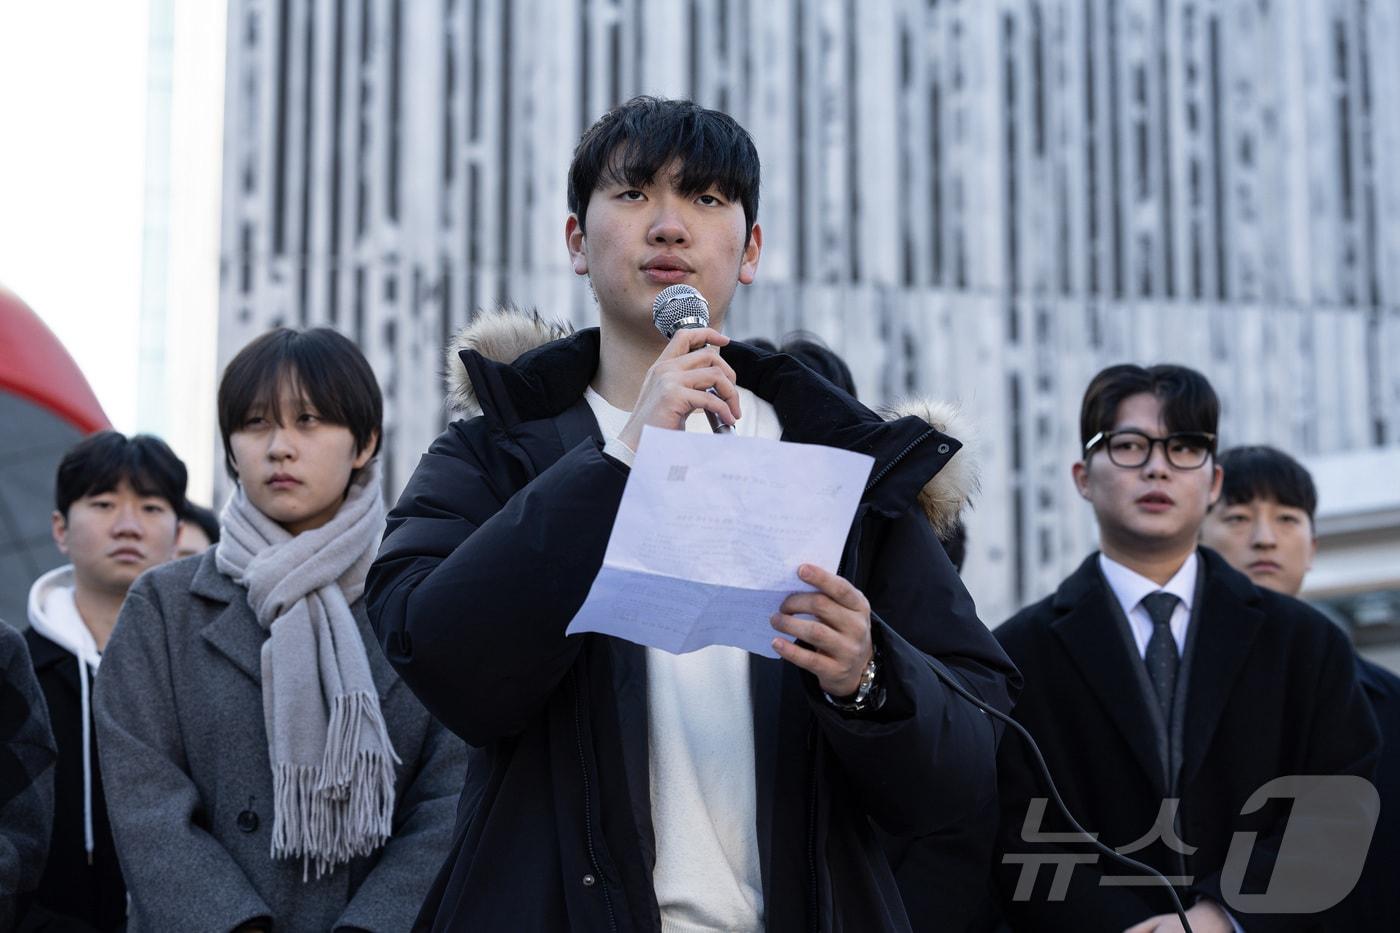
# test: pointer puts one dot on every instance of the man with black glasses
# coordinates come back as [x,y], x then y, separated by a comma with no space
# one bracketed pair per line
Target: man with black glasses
[1159,708]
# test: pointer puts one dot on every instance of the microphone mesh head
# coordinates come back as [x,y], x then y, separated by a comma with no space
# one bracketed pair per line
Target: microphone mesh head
[678,307]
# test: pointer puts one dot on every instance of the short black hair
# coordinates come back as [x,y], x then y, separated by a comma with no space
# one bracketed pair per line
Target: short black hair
[101,462]
[324,365]
[204,519]
[809,350]
[817,356]
[634,141]
[1188,401]
[1260,472]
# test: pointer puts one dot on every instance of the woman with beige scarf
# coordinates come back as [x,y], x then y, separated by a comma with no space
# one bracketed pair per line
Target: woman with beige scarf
[265,768]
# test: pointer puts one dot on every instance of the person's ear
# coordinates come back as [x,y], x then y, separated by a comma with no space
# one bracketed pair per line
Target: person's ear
[1080,472]
[577,244]
[367,452]
[60,531]
[1217,483]
[748,266]
[175,540]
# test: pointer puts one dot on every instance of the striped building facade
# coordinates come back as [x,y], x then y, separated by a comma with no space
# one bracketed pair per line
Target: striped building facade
[986,200]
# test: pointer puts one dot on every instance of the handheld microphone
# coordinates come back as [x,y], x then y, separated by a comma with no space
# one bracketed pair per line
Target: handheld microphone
[679,307]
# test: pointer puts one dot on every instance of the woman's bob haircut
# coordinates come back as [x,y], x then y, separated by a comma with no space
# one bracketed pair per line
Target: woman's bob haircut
[323,367]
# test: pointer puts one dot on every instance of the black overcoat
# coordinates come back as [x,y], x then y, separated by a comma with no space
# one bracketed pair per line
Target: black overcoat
[1375,904]
[1272,692]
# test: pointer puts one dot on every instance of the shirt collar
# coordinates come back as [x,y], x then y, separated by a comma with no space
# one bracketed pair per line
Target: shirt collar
[1130,587]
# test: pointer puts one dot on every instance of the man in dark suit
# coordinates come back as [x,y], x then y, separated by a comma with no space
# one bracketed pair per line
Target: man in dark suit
[1160,709]
[1264,525]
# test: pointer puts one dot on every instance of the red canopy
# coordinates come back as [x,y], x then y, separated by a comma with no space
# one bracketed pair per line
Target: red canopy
[35,366]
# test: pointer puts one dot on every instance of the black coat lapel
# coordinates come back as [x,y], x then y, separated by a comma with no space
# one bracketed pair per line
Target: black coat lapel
[1087,631]
[1228,621]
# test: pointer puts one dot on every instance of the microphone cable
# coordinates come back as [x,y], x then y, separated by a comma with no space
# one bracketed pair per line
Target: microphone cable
[946,676]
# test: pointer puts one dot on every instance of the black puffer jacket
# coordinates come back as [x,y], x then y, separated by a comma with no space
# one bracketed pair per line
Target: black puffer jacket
[491,550]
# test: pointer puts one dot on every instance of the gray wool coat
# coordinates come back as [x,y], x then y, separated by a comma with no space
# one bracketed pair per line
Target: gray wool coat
[180,731]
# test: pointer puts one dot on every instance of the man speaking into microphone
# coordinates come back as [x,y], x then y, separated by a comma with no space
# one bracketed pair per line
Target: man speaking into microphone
[616,787]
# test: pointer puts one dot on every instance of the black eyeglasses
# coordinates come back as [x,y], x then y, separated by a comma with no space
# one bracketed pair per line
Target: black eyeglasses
[1185,450]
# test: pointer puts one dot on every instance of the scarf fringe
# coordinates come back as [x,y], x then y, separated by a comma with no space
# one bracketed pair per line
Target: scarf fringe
[343,808]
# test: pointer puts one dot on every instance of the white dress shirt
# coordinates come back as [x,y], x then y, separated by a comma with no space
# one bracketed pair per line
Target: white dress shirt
[1130,587]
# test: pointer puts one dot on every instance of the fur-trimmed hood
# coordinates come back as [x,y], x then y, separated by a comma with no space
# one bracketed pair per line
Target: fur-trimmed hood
[501,335]
[505,334]
[952,489]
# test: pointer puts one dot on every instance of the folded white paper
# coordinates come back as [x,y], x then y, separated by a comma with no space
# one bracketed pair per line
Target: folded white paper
[709,536]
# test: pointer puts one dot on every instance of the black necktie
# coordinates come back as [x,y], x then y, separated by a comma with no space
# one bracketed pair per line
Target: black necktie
[1161,657]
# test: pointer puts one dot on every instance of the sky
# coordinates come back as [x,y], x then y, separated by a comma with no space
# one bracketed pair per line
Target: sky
[72,123]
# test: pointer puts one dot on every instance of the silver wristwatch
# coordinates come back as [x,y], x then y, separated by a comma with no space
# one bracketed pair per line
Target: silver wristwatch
[863,698]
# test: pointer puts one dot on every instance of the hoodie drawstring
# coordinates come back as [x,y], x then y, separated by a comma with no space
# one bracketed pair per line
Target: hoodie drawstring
[53,613]
[83,676]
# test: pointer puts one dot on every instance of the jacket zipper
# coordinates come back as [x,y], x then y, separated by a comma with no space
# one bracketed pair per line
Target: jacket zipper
[587,804]
[898,457]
